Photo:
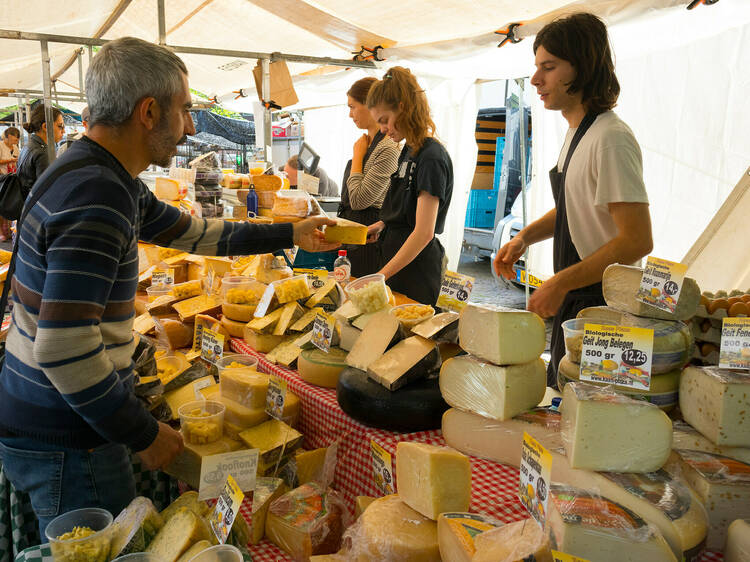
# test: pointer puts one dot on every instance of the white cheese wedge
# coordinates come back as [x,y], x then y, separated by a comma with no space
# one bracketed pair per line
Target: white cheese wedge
[620,284]
[348,334]
[738,541]
[520,540]
[433,480]
[470,384]
[456,534]
[503,336]
[411,359]
[684,436]
[716,402]
[376,338]
[604,430]
[442,328]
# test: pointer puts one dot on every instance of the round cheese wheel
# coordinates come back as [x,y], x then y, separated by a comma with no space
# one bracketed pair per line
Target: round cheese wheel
[320,368]
[418,406]
[233,327]
[663,392]
[238,312]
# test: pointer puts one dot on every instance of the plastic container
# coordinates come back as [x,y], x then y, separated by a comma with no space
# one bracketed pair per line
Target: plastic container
[412,314]
[266,199]
[202,421]
[237,361]
[342,269]
[169,365]
[292,204]
[241,290]
[138,557]
[219,553]
[368,293]
[155,291]
[94,548]
[573,331]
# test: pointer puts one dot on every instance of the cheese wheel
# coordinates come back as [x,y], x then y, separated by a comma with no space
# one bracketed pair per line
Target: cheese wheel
[238,312]
[320,368]
[233,327]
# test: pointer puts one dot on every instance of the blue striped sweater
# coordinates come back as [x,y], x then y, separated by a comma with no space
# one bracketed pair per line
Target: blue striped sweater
[67,378]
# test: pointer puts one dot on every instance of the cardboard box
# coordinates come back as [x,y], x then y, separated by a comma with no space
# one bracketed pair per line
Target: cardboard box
[482,180]
[282,89]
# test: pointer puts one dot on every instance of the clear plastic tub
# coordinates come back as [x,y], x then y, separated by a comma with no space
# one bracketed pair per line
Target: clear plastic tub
[202,421]
[412,314]
[219,553]
[573,332]
[238,363]
[93,548]
[368,293]
[241,290]
[155,291]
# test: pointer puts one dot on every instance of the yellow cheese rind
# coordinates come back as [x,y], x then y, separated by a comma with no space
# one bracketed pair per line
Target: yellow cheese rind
[202,304]
[233,328]
[320,368]
[261,342]
[194,550]
[238,312]
[328,288]
[247,387]
[184,394]
[266,491]
[457,532]
[289,313]
[346,232]
[240,415]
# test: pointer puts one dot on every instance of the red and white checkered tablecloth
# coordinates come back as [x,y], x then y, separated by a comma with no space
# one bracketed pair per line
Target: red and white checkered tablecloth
[323,422]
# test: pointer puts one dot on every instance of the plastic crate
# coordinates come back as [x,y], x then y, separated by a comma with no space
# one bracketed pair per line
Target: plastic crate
[480,212]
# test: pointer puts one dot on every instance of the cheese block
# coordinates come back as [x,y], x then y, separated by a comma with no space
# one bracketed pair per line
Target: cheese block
[409,360]
[220,265]
[620,284]
[391,530]
[433,480]
[722,484]
[596,528]
[457,533]
[234,328]
[188,500]
[238,312]
[266,324]
[178,534]
[266,491]
[286,353]
[270,438]
[348,334]
[144,324]
[500,441]
[135,527]
[305,322]
[328,288]
[194,550]
[320,368]
[186,466]
[292,289]
[737,548]
[361,321]
[361,503]
[202,304]
[185,394]
[178,334]
[306,521]
[684,436]
[240,415]
[441,328]
[248,387]
[314,466]
[289,313]
[266,182]
[503,336]
[470,384]
[716,402]
[604,430]
[347,311]
[346,232]
[521,540]
[261,342]
[379,334]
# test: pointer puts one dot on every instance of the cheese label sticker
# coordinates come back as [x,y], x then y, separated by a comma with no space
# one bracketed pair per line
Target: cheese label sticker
[162,277]
[619,355]
[322,335]
[200,385]
[316,278]
[455,291]
[291,253]
[275,397]
[525,278]
[382,469]
[226,509]
[563,557]
[734,352]
[212,345]
[243,465]
[661,283]
[533,485]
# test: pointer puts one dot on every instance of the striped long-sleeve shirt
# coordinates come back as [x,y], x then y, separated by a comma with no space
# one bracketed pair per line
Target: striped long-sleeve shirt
[368,188]
[67,377]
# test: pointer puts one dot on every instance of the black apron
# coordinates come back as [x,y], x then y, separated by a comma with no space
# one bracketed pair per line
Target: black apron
[566,255]
[365,259]
[419,280]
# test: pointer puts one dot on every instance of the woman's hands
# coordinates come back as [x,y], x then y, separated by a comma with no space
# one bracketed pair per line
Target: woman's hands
[374,230]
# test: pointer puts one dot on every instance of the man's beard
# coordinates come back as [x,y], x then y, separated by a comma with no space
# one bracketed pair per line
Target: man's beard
[161,145]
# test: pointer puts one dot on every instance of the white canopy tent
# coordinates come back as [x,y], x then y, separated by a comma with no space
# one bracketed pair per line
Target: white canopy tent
[681,74]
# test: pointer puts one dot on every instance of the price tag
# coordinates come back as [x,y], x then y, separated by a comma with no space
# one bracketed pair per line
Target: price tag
[216,468]
[619,355]
[316,278]
[533,486]
[226,509]
[525,278]
[212,345]
[562,557]
[307,182]
[661,283]
[735,343]
[323,328]
[455,291]
[382,468]
[275,397]
[162,277]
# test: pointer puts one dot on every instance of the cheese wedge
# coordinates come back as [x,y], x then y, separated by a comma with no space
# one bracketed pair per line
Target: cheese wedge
[289,313]
[409,360]
[361,503]
[520,540]
[684,436]
[379,334]
[328,288]
[186,466]
[240,415]
[306,321]
[185,394]
[348,334]
[346,232]
[320,368]
[194,550]
[286,353]
[202,304]
[457,533]
[178,534]
[266,324]
[441,328]
[266,491]
[135,527]
[270,438]
[738,541]
[261,342]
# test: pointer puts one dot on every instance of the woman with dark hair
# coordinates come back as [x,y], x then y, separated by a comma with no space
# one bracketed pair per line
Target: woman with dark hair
[8,160]
[367,176]
[33,159]
[414,209]
[601,213]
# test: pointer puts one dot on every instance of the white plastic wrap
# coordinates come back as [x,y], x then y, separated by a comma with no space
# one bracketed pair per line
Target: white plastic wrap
[520,540]
[685,436]
[738,541]
[292,204]
[135,527]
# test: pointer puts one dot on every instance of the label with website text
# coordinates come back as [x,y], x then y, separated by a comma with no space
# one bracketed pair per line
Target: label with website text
[226,509]
[533,485]
[455,291]
[275,397]
[661,283]
[735,343]
[562,557]
[323,328]
[382,468]
[316,278]
[619,355]
[215,469]
[212,345]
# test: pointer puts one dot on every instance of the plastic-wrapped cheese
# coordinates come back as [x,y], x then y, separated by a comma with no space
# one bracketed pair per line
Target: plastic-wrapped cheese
[684,436]
[604,430]
[135,527]
[457,532]
[520,540]
[169,189]
[503,336]
[178,534]
[470,384]
[738,541]
[620,284]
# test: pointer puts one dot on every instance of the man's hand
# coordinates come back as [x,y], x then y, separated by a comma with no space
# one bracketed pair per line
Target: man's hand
[374,230]
[547,299]
[507,256]
[309,237]
[167,445]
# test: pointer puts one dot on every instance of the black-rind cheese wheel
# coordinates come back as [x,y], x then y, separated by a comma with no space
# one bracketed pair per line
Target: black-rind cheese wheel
[418,406]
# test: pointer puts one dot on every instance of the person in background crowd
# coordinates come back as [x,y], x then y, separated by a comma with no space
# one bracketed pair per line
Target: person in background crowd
[367,176]
[78,136]
[417,201]
[68,414]
[326,188]
[601,213]
[33,160]
[8,160]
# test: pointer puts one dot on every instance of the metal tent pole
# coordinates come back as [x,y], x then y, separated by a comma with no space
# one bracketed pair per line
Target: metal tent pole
[162,23]
[47,81]
[266,96]
[522,137]
[80,70]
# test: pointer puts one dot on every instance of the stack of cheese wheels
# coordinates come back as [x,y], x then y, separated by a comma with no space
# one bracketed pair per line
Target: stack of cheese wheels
[241,296]
[322,368]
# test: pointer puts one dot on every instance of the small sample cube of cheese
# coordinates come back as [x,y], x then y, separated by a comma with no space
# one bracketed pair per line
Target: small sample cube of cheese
[738,541]
[492,391]
[520,540]
[346,232]
[245,386]
[604,430]
[716,402]
[433,480]
[503,336]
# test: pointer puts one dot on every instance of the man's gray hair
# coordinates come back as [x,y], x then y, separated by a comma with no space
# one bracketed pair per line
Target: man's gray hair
[124,72]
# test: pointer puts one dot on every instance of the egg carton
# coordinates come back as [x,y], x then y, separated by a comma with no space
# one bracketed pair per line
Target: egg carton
[716,318]
[712,359]
[704,331]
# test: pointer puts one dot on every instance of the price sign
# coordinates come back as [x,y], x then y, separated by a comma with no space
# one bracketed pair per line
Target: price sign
[226,509]
[661,283]
[562,557]
[735,343]
[275,397]
[455,291]
[382,468]
[216,468]
[316,278]
[162,277]
[212,345]
[619,355]
[534,482]
[322,334]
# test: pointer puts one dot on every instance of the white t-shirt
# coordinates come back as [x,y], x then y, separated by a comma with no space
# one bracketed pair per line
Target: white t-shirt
[5,154]
[606,167]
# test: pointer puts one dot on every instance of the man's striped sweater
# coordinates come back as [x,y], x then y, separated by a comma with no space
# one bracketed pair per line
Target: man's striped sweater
[67,378]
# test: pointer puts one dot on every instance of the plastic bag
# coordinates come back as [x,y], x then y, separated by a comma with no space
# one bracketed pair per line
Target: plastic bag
[292,204]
